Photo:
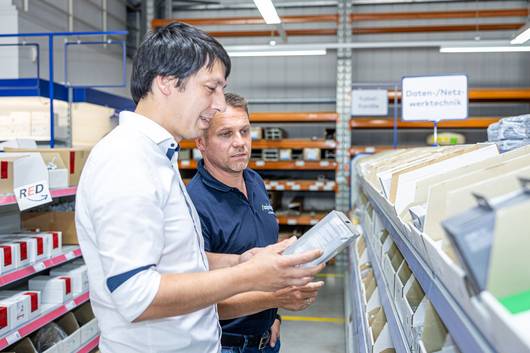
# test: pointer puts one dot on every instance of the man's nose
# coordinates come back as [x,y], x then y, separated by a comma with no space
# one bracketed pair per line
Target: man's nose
[219,102]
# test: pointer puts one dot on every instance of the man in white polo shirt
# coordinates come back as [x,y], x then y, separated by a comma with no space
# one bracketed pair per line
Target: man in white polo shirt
[152,287]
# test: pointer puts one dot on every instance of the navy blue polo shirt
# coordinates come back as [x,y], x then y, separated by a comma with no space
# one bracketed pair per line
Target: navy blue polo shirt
[232,224]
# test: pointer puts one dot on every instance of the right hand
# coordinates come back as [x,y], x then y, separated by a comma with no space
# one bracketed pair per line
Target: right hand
[297,298]
[271,271]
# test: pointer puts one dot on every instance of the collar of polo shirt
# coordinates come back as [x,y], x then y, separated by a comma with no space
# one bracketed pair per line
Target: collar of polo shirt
[210,181]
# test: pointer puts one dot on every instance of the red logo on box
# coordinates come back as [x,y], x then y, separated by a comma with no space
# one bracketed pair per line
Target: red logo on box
[34,300]
[68,284]
[8,258]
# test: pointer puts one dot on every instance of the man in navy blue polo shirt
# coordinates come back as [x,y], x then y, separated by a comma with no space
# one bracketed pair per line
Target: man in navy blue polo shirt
[236,216]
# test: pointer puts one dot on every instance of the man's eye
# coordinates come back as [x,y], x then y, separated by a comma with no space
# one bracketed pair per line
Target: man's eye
[211,89]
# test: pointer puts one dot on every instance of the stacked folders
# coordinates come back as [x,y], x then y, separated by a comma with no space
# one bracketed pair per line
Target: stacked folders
[466,211]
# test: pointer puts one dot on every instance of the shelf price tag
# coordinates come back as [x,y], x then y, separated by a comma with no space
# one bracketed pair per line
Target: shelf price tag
[324,163]
[32,195]
[299,163]
[39,267]
[313,187]
[280,187]
[12,338]
[313,221]
[369,149]
[185,163]
[260,163]
[69,255]
[296,187]
[292,222]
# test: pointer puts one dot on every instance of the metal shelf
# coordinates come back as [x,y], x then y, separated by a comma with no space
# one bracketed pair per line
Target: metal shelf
[308,219]
[462,329]
[394,324]
[69,253]
[11,200]
[388,123]
[300,185]
[287,117]
[274,165]
[43,319]
[359,321]
[282,143]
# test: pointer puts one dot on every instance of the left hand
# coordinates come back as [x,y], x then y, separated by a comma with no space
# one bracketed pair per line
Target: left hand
[247,255]
[275,333]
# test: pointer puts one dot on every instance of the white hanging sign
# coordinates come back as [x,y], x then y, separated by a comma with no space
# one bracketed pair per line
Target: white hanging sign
[32,195]
[369,102]
[434,98]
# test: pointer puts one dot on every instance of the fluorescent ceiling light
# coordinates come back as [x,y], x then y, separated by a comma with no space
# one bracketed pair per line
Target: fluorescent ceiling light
[277,53]
[268,11]
[523,36]
[478,49]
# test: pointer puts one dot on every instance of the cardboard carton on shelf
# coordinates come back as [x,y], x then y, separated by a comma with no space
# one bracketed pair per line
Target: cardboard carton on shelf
[54,290]
[34,245]
[11,255]
[403,182]
[78,274]
[434,338]
[423,187]
[87,321]
[52,221]
[19,169]
[70,326]
[74,159]
[18,307]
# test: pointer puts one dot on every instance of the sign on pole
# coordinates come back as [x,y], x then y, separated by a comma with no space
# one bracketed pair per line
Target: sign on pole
[434,98]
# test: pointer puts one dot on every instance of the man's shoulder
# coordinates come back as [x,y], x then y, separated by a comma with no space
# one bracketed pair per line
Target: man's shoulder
[255,177]
[195,185]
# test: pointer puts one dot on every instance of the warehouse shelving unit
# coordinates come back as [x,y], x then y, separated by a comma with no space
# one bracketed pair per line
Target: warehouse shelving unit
[45,318]
[465,333]
[68,253]
[90,345]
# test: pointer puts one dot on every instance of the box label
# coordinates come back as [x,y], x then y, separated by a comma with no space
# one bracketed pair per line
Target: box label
[33,195]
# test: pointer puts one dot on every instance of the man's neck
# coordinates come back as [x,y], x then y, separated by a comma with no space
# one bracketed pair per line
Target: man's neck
[151,110]
[235,180]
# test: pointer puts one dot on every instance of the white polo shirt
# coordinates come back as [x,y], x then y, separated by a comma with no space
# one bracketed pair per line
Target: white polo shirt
[134,222]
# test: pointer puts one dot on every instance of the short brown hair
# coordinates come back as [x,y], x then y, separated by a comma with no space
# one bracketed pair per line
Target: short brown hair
[236,101]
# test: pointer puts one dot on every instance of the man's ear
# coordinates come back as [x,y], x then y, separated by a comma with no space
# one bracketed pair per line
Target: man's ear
[163,84]
[201,143]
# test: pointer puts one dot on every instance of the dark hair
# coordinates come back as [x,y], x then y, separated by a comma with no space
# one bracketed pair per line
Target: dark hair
[177,50]
[236,101]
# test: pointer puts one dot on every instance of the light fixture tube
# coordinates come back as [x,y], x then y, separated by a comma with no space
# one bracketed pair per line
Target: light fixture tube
[478,49]
[523,36]
[268,11]
[277,53]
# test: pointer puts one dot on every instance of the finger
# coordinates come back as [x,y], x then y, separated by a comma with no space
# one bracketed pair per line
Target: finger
[300,281]
[303,258]
[312,286]
[281,246]
[306,272]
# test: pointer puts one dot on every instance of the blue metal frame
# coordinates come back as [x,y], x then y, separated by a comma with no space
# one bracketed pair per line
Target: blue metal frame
[360,327]
[51,84]
[464,332]
[122,43]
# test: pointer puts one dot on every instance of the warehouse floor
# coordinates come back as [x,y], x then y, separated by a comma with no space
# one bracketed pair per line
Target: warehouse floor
[319,328]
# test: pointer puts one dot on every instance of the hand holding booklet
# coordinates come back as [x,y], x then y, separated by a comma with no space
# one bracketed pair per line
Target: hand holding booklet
[332,234]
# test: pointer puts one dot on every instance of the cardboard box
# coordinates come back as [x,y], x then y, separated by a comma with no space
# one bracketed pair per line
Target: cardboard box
[11,256]
[311,154]
[19,169]
[57,172]
[87,321]
[69,324]
[78,274]
[73,158]
[18,307]
[403,186]
[23,346]
[51,222]
[35,246]
[54,290]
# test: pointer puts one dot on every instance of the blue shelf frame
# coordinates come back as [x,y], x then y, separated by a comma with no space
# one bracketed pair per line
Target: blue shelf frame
[36,89]
[462,329]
